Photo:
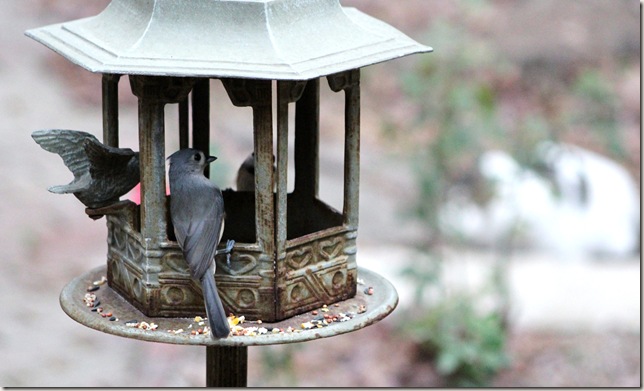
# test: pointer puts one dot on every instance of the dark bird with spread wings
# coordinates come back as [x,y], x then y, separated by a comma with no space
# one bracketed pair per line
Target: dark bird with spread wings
[101,173]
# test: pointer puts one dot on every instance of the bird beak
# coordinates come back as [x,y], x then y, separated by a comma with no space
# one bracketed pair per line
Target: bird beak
[211,159]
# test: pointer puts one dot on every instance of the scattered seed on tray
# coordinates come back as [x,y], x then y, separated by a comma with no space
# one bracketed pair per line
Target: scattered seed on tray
[141,325]
[319,321]
[146,326]
[89,299]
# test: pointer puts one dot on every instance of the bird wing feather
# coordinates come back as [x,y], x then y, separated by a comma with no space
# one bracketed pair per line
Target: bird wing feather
[68,144]
[199,235]
[105,160]
[78,184]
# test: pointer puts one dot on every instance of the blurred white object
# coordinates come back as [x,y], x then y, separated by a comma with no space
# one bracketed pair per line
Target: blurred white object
[594,212]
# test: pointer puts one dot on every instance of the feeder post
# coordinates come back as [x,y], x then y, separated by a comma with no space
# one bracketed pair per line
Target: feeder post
[226,366]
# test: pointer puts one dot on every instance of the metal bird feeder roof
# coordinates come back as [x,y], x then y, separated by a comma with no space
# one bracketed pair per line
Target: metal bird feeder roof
[259,39]
[293,252]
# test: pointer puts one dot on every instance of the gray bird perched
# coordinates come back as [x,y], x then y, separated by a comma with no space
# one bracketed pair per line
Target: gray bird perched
[101,173]
[197,213]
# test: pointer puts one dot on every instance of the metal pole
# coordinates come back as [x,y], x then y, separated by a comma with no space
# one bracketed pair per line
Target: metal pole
[307,141]
[263,140]
[282,166]
[110,86]
[352,150]
[226,366]
[152,158]
[154,93]
[201,117]
[184,123]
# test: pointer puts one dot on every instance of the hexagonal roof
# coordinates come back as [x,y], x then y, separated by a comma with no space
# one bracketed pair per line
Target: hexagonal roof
[263,39]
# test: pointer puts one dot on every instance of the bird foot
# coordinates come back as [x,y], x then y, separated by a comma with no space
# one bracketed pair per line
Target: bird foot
[229,248]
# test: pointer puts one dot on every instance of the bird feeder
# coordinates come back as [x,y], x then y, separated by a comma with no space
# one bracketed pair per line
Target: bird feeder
[293,252]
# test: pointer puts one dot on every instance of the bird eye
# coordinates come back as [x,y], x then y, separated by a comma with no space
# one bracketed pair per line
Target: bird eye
[197,157]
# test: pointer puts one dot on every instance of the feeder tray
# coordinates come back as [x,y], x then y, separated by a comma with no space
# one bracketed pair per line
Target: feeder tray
[376,306]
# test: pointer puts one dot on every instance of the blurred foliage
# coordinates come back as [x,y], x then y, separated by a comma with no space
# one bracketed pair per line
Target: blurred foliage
[458,107]
[278,368]
[464,338]
[598,110]
[468,99]
[467,347]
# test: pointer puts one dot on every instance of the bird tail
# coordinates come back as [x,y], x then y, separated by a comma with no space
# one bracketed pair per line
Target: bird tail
[214,309]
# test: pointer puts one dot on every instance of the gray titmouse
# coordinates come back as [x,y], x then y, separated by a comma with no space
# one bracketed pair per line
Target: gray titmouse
[197,213]
[246,174]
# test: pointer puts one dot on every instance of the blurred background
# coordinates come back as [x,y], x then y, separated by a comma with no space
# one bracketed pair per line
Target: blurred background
[500,193]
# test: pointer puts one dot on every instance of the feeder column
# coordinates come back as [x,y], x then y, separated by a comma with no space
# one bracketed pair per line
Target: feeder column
[153,93]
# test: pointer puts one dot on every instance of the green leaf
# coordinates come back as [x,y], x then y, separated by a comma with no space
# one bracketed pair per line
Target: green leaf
[447,363]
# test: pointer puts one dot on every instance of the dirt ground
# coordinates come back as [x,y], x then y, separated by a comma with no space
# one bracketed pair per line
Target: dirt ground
[49,240]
